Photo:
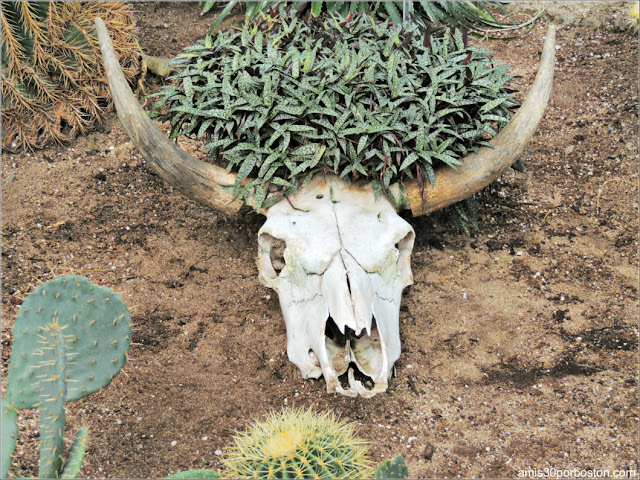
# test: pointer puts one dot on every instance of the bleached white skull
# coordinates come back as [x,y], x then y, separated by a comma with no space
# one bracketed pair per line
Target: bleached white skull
[338,257]
[339,260]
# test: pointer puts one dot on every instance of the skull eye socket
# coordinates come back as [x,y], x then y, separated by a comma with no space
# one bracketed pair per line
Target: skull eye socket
[405,245]
[272,260]
[276,255]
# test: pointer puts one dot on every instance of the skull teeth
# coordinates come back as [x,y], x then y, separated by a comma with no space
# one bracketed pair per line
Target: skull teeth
[356,385]
[350,352]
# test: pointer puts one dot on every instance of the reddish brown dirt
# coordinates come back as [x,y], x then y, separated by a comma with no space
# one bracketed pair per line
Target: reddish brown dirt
[520,342]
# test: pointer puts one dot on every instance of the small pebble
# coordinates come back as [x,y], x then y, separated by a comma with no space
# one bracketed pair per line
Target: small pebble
[429,450]
[174,443]
[218,452]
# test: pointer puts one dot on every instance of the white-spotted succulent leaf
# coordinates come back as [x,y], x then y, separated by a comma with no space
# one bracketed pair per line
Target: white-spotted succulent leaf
[286,97]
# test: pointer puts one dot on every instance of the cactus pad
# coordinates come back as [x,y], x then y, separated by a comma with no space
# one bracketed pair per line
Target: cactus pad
[9,427]
[52,388]
[76,455]
[299,444]
[94,324]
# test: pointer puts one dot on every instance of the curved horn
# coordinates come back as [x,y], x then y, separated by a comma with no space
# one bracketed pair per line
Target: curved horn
[482,168]
[200,181]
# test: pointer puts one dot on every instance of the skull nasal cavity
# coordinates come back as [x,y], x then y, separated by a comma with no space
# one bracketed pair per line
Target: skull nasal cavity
[276,254]
[332,331]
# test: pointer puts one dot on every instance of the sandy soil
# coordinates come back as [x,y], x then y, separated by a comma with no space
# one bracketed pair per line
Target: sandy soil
[520,342]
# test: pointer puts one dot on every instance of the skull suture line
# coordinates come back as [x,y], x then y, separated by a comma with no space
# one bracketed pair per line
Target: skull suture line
[338,259]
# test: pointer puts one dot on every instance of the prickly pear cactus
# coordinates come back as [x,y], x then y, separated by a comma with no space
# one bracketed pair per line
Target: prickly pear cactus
[52,387]
[394,468]
[95,334]
[70,339]
[299,444]
[76,455]
[9,426]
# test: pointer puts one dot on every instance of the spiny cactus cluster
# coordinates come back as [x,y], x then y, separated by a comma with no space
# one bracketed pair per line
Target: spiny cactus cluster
[53,84]
[70,339]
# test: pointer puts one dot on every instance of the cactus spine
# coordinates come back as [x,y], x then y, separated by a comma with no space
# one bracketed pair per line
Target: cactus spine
[70,339]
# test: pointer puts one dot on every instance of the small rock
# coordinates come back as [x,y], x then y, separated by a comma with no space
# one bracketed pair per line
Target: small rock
[205,438]
[429,450]
[493,245]
[174,443]
[11,178]
[569,150]
[218,452]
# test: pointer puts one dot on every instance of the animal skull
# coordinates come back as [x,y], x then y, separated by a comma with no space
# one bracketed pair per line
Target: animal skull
[337,256]
[339,260]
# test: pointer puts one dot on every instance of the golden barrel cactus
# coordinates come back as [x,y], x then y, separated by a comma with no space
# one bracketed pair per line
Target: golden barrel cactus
[53,83]
[299,444]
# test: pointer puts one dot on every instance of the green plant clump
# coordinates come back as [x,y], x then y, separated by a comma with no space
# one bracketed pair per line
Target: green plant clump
[283,98]
[70,339]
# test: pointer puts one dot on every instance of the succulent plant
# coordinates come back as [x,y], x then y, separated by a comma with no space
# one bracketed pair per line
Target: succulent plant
[199,473]
[477,15]
[633,14]
[394,468]
[284,98]
[53,84]
[70,339]
[299,444]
